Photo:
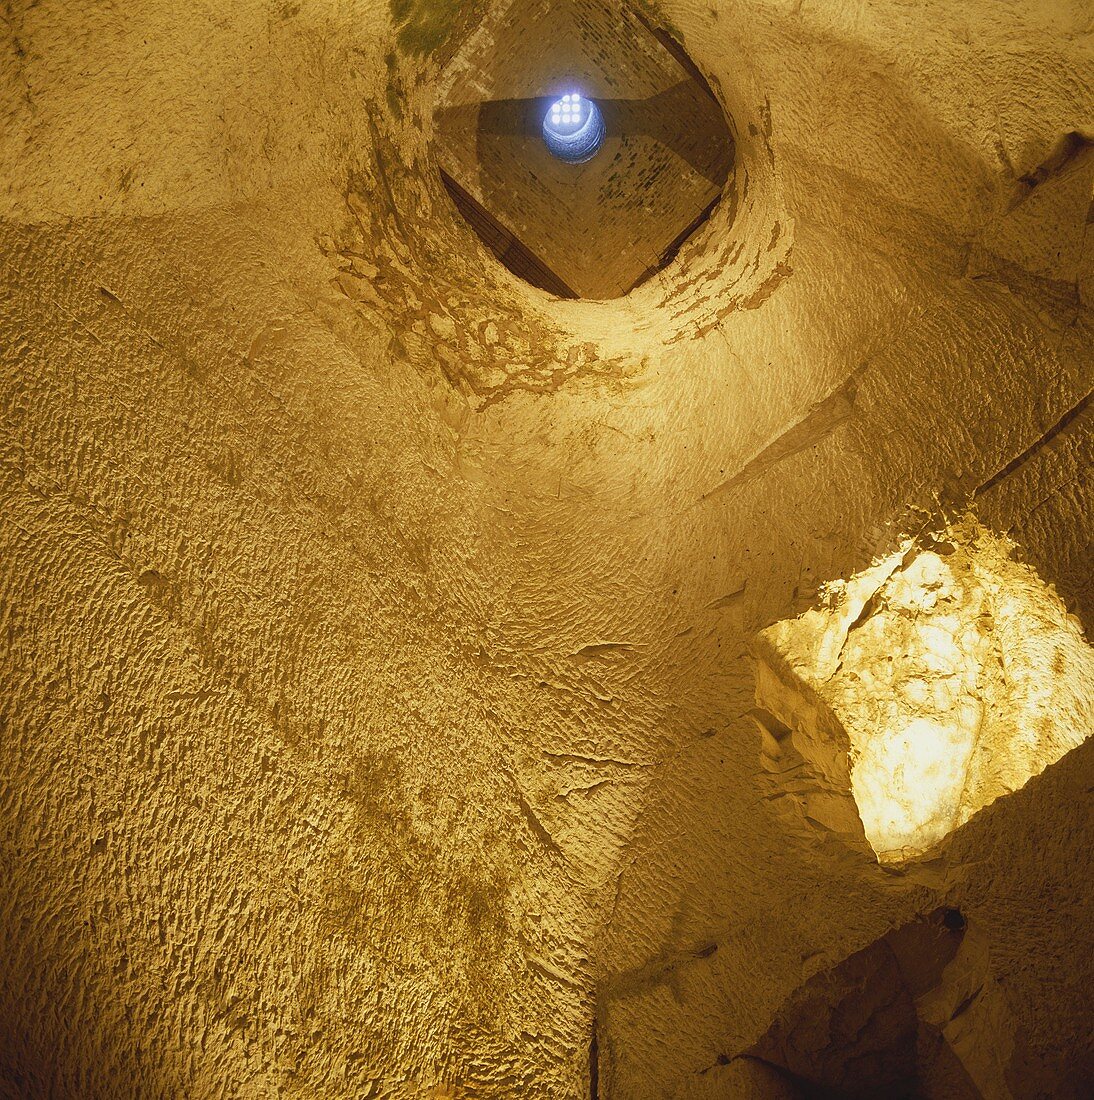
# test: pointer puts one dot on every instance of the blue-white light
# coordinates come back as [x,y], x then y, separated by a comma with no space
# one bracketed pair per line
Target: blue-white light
[573,128]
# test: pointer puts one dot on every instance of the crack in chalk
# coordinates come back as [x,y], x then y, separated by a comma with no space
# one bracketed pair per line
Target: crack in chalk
[585,788]
[820,421]
[1070,148]
[872,601]
[539,830]
[964,1005]
[1066,421]
[541,966]
[601,649]
[728,599]
[594,1063]
[578,758]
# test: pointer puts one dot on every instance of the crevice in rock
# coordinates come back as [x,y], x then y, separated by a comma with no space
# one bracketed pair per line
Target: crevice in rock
[594,1063]
[1074,416]
[1070,148]
[821,420]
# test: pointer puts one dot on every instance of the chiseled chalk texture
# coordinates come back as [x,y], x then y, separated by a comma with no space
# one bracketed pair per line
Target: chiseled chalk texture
[936,681]
[375,628]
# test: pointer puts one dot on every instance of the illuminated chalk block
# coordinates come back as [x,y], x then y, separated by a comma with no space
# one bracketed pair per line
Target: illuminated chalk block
[944,676]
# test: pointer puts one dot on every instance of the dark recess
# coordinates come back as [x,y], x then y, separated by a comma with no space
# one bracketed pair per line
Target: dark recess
[594,1066]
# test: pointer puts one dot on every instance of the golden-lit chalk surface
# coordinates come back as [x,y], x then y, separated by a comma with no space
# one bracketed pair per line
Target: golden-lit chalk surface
[377,702]
[954,675]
